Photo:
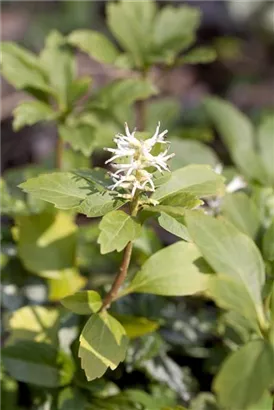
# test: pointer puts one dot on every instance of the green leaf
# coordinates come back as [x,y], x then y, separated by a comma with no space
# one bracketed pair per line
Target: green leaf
[204,401]
[136,326]
[83,303]
[173,271]
[73,160]
[268,243]
[237,133]
[230,294]
[131,24]
[63,189]
[175,28]
[231,124]
[229,251]
[79,133]
[37,363]
[59,62]
[47,242]
[9,392]
[125,92]
[71,399]
[199,55]
[10,205]
[265,403]
[245,375]
[176,204]
[239,209]
[22,68]
[175,226]
[199,180]
[95,44]
[117,229]
[266,146]
[79,88]
[35,323]
[100,203]
[271,303]
[103,344]
[191,152]
[31,112]
[67,282]
[167,109]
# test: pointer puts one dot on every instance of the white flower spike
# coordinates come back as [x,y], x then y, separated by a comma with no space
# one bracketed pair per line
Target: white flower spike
[133,174]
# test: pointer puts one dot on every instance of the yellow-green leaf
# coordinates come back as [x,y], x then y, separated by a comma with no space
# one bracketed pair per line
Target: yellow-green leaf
[67,281]
[31,112]
[63,189]
[103,344]
[34,323]
[83,303]
[199,180]
[229,251]
[117,229]
[173,271]
[47,242]
[136,326]
[95,44]
[245,375]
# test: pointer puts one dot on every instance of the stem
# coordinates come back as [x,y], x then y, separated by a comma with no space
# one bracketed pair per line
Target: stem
[140,115]
[141,107]
[121,276]
[59,152]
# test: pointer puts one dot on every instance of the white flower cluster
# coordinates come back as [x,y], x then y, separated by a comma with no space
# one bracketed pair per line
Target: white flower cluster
[133,174]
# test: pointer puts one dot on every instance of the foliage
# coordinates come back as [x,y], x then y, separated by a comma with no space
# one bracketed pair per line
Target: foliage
[207,298]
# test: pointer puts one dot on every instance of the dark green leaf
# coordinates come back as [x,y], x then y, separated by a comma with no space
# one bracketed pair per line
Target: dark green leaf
[71,399]
[199,55]
[37,363]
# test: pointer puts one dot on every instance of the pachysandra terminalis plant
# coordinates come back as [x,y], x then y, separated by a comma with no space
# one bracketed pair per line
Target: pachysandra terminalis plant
[214,258]
[135,191]
[137,186]
[227,258]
